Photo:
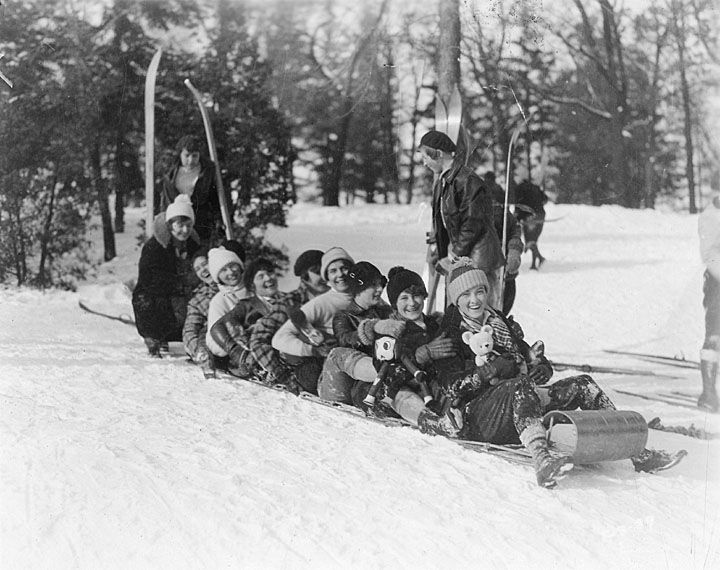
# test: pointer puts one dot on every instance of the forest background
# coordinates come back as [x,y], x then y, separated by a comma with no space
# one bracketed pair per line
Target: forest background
[325,100]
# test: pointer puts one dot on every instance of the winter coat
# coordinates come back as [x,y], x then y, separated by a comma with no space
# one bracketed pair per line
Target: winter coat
[222,303]
[235,327]
[530,199]
[353,327]
[319,312]
[463,219]
[205,200]
[709,233]
[164,285]
[195,326]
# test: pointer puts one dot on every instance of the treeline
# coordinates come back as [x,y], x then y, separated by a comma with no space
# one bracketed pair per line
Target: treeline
[326,99]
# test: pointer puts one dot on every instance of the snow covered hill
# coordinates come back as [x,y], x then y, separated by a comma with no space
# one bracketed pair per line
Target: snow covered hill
[113,460]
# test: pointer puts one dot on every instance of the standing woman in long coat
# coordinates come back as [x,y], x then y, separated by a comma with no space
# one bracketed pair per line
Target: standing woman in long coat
[194,175]
[165,277]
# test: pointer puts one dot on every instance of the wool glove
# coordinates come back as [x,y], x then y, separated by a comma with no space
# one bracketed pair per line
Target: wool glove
[513,262]
[437,349]
[501,368]
[389,327]
[321,351]
[540,373]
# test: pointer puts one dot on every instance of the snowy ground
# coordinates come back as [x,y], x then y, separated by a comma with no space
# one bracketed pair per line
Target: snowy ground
[113,460]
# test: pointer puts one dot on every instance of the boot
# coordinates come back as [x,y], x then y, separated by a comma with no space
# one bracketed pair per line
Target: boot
[153,346]
[708,400]
[654,460]
[548,468]
[433,424]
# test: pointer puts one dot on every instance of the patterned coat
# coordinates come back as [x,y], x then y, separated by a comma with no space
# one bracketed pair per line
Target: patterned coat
[195,326]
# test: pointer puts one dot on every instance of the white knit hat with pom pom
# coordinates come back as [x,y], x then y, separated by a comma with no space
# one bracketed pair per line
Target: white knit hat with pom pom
[182,206]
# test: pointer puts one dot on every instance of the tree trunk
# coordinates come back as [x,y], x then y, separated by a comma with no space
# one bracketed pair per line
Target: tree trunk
[679,19]
[42,278]
[103,203]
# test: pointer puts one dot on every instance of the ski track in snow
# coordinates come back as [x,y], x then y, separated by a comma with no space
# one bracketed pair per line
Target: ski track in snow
[112,459]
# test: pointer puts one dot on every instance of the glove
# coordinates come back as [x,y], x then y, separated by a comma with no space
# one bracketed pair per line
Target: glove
[502,367]
[513,262]
[321,351]
[540,373]
[437,349]
[389,327]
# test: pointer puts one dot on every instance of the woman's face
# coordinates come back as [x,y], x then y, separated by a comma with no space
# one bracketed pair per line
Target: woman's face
[180,228]
[409,306]
[472,302]
[314,280]
[189,159]
[230,275]
[370,296]
[337,275]
[265,283]
[200,266]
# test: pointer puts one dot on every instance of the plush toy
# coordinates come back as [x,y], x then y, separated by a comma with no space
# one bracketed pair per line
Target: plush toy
[481,343]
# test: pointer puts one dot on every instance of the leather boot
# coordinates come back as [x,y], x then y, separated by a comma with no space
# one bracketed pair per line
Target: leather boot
[431,423]
[548,468]
[708,400]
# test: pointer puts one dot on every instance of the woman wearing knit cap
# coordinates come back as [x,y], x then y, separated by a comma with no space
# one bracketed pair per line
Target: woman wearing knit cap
[349,369]
[165,278]
[194,176]
[226,269]
[232,331]
[462,211]
[303,357]
[504,400]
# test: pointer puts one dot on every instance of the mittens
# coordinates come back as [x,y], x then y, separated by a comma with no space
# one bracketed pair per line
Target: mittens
[513,262]
[389,327]
[437,349]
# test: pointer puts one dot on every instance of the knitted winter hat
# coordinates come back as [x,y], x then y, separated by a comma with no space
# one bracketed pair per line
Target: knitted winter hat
[234,246]
[400,279]
[333,254]
[306,260]
[439,141]
[463,277]
[219,258]
[182,206]
[255,266]
[363,275]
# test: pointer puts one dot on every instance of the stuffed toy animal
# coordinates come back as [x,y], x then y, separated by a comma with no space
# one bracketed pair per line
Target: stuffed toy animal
[481,343]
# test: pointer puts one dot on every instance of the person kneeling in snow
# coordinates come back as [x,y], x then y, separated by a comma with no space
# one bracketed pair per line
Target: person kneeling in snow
[504,400]
[165,278]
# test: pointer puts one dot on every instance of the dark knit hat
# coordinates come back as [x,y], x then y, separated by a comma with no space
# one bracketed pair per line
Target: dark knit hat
[234,246]
[401,279]
[439,141]
[363,275]
[463,277]
[306,260]
[253,268]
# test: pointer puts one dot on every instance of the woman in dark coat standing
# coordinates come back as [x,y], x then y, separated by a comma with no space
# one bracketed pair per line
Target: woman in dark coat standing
[165,276]
[194,175]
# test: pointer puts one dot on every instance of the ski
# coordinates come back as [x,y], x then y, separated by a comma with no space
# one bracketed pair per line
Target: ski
[656,358]
[150,142]
[224,209]
[583,367]
[125,319]
[665,399]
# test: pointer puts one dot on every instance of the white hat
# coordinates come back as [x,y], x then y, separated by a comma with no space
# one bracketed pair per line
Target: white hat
[218,258]
[182,206]
[333,254]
